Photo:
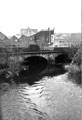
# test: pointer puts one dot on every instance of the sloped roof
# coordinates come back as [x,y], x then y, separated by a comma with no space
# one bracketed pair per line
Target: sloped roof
[2,36]
[23,36]
[43,32]
[14,37]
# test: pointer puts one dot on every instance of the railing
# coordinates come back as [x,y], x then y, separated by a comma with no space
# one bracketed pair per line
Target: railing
[32,52]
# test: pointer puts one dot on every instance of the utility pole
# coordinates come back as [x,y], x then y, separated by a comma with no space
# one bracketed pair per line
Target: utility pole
[49,36]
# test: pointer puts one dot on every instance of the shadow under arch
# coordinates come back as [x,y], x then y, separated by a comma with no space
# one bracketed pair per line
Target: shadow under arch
[62,59]
[34,65]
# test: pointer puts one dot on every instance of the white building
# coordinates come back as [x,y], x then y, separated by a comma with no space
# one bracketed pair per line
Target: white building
[60,40]
[28,32]
[61,43]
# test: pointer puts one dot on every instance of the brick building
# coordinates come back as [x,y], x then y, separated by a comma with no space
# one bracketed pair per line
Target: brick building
[43,38]
[25,41]
[4,41]
[13,40]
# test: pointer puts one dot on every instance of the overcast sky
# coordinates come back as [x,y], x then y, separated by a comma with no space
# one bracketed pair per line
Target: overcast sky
[63,15]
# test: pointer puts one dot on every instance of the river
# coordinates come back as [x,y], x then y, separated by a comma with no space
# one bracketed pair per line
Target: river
[50,98]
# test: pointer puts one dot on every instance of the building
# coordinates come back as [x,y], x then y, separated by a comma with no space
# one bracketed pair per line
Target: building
[66,39]
[28,32]
[61,43]
[13,40]
[43,38]
[25,41]
[4,41]
[61,40]
[75,39]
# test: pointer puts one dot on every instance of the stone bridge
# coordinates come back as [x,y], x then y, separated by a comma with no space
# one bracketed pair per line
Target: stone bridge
[36,60]
[46,55]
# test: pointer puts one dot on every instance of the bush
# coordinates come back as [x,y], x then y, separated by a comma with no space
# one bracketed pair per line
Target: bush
[75,68]
[33,48]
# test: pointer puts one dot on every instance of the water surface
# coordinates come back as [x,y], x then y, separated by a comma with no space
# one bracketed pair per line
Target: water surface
[50,98]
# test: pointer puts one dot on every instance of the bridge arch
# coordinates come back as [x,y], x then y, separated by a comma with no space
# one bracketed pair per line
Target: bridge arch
[35,64]
[62,59]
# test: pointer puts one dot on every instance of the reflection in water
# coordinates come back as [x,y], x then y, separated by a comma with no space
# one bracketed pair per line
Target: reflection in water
[51,98]
[31,76]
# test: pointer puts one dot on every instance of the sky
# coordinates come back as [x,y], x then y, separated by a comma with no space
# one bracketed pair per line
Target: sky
[62,15]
